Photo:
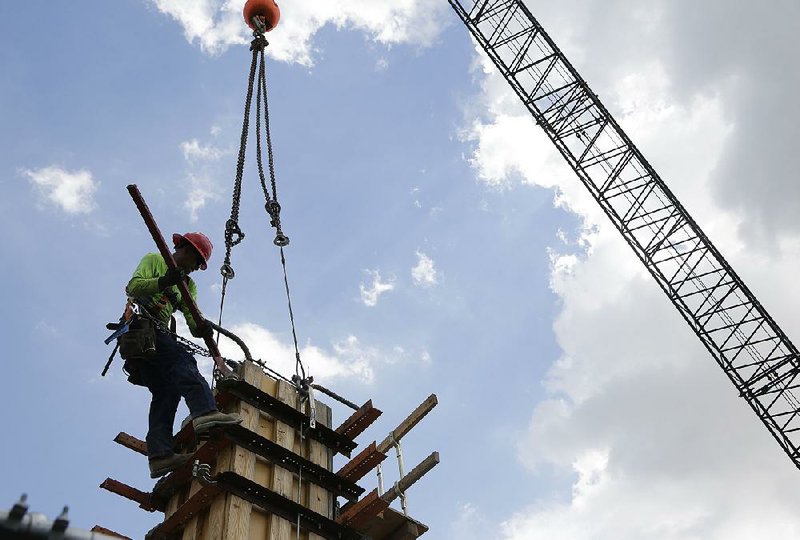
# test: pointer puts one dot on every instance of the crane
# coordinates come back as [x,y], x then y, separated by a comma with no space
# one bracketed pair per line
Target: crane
[743,338]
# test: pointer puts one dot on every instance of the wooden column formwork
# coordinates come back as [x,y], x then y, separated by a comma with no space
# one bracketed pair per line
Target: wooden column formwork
[229,517]
[273,474]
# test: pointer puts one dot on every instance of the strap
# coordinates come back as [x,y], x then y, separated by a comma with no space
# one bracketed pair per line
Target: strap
[110,359]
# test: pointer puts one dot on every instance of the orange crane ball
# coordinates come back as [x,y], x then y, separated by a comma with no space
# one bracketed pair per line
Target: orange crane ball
[266,9]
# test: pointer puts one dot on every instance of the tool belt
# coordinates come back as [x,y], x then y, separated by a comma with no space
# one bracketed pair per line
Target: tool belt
[139,342]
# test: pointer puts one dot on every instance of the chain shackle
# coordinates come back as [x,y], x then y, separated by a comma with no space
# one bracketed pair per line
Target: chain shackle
[233,234]
[259,42]
[273,208]
[226,271]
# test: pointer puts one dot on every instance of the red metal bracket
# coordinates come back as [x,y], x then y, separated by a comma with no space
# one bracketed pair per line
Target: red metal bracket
[135,495]
[358,467]
[358,514]
[108,532]
[129,441]
[359,421]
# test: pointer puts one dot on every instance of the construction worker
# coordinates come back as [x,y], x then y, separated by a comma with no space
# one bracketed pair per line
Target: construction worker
[171,373]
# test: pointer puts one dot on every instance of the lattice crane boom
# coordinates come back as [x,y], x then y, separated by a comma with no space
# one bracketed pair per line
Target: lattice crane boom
[745,341]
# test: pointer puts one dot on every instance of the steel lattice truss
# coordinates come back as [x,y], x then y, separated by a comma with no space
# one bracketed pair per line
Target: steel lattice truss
[740,334]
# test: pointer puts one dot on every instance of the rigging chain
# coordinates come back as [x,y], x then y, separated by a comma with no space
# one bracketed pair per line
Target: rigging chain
[233,233]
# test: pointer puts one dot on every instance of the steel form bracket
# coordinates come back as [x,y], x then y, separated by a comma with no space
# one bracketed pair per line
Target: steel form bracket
[286,413]
[282,457]
[281,506]
[360,420]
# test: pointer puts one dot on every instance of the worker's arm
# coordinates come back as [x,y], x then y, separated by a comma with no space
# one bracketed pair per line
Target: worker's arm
[144,282]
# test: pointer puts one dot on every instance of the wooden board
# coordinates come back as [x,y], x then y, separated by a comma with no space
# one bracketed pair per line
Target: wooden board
[229,516]
[282,481]
[319,500]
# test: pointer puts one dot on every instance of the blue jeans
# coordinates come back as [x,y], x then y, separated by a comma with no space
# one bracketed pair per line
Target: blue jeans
[169,375]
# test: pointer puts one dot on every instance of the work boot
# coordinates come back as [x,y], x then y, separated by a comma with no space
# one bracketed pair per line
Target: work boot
[159,466]
[213,419]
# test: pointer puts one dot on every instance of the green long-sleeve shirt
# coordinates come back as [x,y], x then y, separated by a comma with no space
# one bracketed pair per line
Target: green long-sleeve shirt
[143,287]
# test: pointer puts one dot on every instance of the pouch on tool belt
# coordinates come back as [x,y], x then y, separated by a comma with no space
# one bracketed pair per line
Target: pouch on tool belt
[139,341]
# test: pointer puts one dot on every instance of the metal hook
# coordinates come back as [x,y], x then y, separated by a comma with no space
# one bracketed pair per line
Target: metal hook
[260,22]
[202,471]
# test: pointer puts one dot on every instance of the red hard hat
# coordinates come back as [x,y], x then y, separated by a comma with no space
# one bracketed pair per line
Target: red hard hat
[262,8]
[199,242]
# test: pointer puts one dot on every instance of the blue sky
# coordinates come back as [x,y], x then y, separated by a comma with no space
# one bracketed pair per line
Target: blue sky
[438,245]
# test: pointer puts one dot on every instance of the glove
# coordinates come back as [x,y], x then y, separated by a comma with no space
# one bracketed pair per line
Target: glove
[172,277]
[204,331]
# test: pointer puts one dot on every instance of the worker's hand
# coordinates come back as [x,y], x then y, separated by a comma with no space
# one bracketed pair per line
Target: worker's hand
[206,331]
[222,366]
[172,277]
[203,330]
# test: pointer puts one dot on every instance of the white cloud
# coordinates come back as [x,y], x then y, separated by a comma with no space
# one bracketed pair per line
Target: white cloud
[201,190]
[652,432]
[200,159]
[371,293]
[72,191]
[424,273]
[348,358]
[218,24]
[471,524]
[194,151]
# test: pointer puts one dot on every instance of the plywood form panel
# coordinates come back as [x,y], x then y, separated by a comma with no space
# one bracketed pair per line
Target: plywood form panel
[282,480]
[229,511]
[232,518]
[319,500]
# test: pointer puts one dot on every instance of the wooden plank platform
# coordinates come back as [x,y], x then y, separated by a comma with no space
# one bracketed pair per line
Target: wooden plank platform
[358,514]
[393,525]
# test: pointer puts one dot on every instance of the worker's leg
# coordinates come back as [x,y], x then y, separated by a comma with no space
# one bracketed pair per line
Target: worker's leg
[163,405]
[181,370]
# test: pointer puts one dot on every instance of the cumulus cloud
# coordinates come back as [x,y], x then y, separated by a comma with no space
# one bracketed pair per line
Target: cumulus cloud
[370,293]
[201,190]
[349,358]
[424,273]
[200,160]
[346,358]
[193,151]
[656,439]
[471,524]
[218,24]
[71,191]
[753,73]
